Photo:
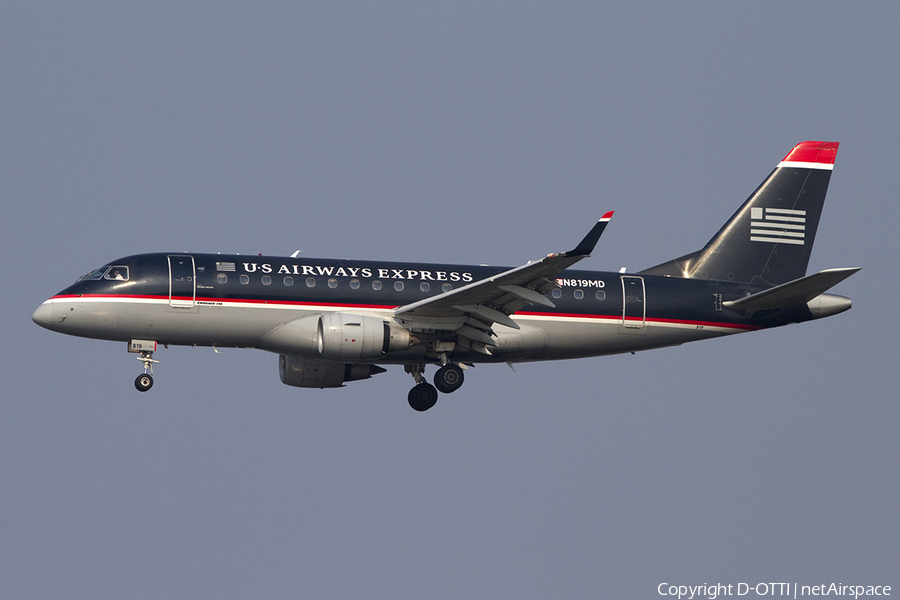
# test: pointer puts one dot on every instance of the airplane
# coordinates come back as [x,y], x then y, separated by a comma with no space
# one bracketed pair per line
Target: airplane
[336,321]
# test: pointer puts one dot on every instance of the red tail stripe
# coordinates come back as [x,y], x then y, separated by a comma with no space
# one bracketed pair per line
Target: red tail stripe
[813,152]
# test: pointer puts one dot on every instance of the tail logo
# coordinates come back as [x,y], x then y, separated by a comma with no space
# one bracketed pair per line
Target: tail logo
[777,225]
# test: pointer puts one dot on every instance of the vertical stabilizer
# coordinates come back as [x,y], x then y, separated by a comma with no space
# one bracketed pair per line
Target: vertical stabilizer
[769,239]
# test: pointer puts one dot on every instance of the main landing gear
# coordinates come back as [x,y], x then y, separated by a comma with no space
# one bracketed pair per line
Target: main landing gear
[449,378]
[423,396]
[144,381]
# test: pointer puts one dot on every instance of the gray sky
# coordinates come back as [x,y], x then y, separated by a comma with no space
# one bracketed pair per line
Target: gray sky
[475,133]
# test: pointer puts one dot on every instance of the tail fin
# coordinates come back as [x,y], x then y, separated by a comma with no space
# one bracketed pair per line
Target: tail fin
[769,239]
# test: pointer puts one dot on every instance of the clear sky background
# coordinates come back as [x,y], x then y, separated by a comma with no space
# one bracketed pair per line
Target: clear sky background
[469,132]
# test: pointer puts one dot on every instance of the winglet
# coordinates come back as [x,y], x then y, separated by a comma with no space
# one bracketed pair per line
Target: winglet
[586,246]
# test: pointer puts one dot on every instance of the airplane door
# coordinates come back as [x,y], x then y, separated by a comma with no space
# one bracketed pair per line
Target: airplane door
[634,307]
[182,281]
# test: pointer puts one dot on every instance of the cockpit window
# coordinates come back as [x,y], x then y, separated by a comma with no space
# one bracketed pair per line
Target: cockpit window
[95,274]
[117,273]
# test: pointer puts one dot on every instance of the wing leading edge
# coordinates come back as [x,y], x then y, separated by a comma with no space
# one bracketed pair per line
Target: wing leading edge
[468,313]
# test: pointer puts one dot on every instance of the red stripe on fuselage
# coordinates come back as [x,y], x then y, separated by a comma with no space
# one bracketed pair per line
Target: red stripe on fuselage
[616,317]
[223,300]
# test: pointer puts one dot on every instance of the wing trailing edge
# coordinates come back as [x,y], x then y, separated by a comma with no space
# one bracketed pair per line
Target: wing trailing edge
[469,312]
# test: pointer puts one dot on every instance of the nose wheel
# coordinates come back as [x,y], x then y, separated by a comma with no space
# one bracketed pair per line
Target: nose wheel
[143,382]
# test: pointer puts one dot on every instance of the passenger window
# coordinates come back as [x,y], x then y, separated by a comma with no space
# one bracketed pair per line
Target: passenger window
[424,286]
[221,278]
[245,279]
[354,284]
[117,273]
[557,293]
[579,294]
[376,285]
[601,295]
[267,280]
[288,281]
[310,282]
[332,283]
[398,285]
[446,287]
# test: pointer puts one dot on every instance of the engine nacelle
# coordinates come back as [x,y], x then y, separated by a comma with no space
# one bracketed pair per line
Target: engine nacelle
[302,372]
[343,336]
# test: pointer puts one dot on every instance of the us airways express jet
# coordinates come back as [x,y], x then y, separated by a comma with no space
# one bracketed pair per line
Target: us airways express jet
[334,321]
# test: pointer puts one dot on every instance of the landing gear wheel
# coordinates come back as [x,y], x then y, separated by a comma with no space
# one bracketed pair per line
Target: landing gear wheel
[422,397]
[143,382]
[448,379]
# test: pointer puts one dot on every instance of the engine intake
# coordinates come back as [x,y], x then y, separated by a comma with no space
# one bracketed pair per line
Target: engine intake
[302,372]
[343,336]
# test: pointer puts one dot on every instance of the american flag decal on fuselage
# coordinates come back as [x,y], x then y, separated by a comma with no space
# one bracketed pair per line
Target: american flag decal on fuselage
[777,225]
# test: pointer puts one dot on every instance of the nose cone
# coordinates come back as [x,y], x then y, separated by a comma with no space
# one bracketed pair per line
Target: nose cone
[43,316]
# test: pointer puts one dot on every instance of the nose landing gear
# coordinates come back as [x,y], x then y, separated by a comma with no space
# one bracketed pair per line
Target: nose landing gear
[144,381]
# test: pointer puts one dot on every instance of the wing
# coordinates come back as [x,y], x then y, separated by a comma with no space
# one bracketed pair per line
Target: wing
[466,315]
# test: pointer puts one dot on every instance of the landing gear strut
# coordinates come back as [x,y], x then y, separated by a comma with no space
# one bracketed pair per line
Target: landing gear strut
[144,381]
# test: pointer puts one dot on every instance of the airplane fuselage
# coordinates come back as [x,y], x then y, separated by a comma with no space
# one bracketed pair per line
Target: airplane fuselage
[237,301]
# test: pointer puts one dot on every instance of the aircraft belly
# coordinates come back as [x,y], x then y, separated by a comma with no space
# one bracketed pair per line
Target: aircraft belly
[208,326]
[519,344]
[599,337]
[222,326]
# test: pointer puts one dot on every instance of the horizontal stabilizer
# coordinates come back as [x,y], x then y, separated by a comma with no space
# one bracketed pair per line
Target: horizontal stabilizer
[798,291]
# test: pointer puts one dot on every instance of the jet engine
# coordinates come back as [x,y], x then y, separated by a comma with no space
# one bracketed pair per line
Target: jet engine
[343,336]
[302,372]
